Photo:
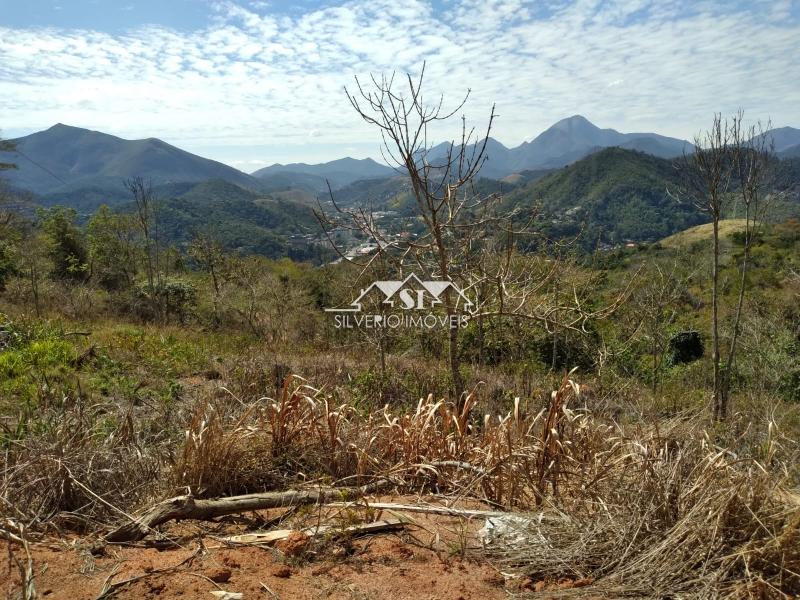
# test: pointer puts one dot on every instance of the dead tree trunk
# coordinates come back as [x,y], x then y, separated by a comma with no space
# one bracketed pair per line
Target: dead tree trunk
[187,507]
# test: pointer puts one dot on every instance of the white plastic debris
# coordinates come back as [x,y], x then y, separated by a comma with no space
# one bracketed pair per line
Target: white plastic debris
[509,530]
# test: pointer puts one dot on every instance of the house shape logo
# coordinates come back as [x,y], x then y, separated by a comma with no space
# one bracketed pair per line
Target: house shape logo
[410,294]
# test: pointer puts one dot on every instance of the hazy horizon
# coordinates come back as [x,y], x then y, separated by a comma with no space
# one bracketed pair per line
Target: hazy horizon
[377,157]
[252,83]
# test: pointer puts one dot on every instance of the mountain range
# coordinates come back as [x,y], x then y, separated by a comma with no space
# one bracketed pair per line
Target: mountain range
[339,173]
[785,141]
[574,174]
[68,162]
[563,143]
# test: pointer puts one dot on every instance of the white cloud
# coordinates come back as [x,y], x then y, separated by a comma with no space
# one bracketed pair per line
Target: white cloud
[253,77]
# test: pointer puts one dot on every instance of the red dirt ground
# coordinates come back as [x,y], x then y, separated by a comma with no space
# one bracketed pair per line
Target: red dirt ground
[425,561]
[380,567]
[422,562]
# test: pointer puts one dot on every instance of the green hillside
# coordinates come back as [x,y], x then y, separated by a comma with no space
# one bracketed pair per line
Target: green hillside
[614,195]
[242,221]
[378,193]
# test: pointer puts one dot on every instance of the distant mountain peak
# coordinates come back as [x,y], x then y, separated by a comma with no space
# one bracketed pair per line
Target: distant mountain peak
[783,138]
[574,122]
[574,119]
[786,129]
[67,157]
[64,128]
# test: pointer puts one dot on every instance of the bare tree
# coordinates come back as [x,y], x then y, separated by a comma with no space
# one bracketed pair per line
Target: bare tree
[5,194]
[145,200]
[206,250]
[468,237]
[655,299]
[707,175]
[452,216]
[727,159]
[7,146]
[33,263]
[114,248]
[752,152]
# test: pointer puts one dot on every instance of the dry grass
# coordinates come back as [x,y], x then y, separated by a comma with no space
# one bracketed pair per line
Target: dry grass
[701,233]
[74,474]
[511,460]
[645,511]
[681,520]
[219,458]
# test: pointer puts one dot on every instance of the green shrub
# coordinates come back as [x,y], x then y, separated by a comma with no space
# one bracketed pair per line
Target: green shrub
[38,356]
[172,298]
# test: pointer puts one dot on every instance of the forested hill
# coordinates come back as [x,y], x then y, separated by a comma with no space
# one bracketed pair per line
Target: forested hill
[242,221]
[614,195]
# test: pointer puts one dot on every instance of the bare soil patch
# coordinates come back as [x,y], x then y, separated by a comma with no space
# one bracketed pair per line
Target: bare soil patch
[428,560]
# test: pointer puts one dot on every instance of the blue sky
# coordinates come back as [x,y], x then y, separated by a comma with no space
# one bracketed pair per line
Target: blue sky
[251,82]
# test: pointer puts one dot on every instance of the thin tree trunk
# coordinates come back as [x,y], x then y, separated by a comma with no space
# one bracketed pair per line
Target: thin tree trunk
[382,347]
[454,358]
[216,293]
[738,317]
[481,341]
[715,321]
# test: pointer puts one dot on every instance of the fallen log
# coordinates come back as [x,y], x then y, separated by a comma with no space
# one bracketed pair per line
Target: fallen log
[188,507]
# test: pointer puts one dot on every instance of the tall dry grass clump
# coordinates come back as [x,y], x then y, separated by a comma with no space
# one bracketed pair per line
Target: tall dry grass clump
[645,511]
[512,460]
[438,446]
[221,456]
[679,517]
[79,466]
